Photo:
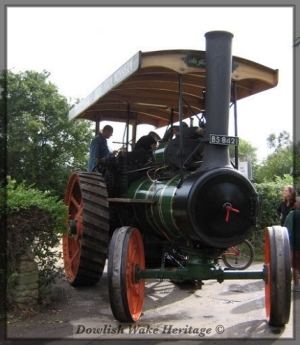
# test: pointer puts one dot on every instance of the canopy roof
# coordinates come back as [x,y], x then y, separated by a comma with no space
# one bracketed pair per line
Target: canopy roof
[147,87]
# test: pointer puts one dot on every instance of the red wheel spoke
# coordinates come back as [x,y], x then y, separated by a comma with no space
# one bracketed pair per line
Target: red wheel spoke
[133,288]
[75,255]
[77,205]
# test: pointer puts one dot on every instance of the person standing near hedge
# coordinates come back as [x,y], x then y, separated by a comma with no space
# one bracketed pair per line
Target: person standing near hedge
[289,197]
[292,223]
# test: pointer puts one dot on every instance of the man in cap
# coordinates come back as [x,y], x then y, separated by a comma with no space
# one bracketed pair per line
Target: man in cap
[99,148]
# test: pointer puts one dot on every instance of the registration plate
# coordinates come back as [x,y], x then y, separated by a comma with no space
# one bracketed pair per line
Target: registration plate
[223,140]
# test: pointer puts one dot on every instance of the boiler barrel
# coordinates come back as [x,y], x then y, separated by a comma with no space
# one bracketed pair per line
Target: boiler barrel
[217,208]
[156,218]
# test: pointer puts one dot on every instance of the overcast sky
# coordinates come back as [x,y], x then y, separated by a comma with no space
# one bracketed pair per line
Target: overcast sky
[82,46]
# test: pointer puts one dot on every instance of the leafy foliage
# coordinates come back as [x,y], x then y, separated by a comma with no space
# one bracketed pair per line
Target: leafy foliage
[34,221]
[43,147]
[244,149]
[3,127]
[280,162]
[280,141]
[270,195]
[296,167]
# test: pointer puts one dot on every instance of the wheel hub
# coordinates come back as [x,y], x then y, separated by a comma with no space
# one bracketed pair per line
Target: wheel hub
[75,225]
[72,227]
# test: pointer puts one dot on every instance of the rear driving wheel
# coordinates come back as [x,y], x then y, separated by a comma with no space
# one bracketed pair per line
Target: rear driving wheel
[86,243]
[126,254]
[278,276]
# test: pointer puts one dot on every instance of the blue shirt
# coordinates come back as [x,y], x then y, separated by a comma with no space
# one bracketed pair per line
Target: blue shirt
[98,149]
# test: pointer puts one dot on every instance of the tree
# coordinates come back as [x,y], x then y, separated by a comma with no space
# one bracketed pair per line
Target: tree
[3,128]
[43,147]
[244,149]
[296,167]
[280,141]
[280,162]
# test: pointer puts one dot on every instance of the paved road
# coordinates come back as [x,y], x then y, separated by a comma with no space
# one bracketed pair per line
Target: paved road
[229,312]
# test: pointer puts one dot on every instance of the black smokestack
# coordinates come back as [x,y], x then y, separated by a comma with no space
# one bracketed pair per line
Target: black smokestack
[218,60]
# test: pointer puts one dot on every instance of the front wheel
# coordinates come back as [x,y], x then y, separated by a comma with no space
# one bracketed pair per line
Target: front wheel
[278,276]
[126,254]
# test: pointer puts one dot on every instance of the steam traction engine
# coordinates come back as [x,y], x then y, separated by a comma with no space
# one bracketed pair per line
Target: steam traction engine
[169,214]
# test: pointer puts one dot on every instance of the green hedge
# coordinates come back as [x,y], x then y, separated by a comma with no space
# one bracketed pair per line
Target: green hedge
[270,195]
[32,219]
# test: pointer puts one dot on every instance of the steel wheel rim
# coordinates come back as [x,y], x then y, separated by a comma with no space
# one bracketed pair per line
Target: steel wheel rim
[278,276]
[268,276]
[72,242]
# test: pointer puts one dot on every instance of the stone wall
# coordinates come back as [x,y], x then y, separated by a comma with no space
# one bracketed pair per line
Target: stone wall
[25,291]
